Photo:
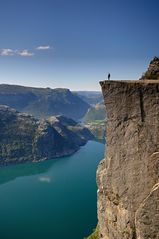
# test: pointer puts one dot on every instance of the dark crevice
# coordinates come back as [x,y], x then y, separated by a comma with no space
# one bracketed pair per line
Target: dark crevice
[142,105]
[157,88]
[134,236]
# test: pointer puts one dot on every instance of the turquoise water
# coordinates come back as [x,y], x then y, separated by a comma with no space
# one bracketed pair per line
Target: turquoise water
[55,199]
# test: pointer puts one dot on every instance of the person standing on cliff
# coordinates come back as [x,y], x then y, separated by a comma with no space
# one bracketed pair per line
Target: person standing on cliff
[108,76]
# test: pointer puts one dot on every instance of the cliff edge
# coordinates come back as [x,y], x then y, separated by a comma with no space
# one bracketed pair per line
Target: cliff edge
[128,178]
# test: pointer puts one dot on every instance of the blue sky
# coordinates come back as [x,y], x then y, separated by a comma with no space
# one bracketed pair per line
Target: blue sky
[75,43]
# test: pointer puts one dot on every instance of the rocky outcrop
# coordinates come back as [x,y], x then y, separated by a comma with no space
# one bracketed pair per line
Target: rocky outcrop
[152,71]
[24,138]
[128,178]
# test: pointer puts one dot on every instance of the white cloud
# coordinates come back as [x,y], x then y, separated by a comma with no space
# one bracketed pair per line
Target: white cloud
[25,53]
[45,179]
[7,52]
[44,47]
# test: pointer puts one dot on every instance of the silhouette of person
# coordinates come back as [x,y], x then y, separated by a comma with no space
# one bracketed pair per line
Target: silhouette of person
[109,76]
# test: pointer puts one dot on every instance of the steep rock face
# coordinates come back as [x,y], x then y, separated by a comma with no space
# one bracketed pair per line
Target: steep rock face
[25,138]
[128,195]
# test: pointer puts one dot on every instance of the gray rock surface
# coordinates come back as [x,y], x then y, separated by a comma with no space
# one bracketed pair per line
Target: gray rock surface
[128,190]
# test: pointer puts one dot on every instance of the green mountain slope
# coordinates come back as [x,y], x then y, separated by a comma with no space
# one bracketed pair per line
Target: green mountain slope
[25,138]
[94,120]
[96,113]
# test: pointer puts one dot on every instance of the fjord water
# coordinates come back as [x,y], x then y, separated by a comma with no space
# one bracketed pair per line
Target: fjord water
[55,199]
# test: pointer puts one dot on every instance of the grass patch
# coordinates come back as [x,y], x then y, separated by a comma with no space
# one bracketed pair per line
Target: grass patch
[94,235]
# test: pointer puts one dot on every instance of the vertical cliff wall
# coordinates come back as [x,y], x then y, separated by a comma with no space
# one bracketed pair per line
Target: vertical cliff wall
[128,177]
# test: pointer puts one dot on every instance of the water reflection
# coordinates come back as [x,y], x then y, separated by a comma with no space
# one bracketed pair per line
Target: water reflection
[53,199]
[10,173]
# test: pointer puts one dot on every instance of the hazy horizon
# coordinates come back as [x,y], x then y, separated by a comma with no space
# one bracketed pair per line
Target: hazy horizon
[75,44]
[45,87]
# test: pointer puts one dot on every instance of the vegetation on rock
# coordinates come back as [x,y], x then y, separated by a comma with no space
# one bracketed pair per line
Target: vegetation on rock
[25,138]
[94,235]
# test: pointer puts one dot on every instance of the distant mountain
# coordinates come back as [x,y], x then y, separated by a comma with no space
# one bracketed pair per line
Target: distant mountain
[95,113]
[98,129]
[25,138]
[91,97]
[43,102]
[94,120]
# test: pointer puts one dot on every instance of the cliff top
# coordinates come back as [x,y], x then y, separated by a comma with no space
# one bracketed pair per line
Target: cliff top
[150,76]
[146,82]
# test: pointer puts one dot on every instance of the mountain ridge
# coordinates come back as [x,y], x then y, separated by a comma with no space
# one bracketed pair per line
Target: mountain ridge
[43,102]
